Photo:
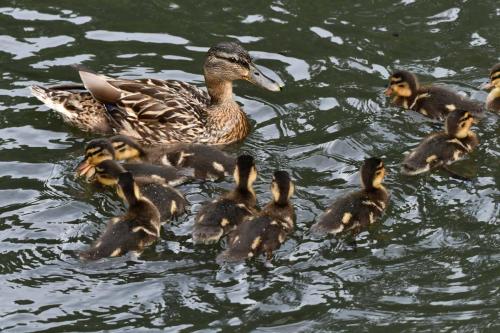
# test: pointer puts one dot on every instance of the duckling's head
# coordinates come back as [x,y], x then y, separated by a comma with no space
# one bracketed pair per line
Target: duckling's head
[458,123]
[245,172]
[282,187]
[128,189]
[126,148]
[402,84]
[96,151]
[372,173]
[229,61]
[107,172]
[494,77]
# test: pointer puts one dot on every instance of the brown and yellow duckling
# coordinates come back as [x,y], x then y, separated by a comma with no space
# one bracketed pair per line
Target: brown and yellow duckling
[170,202]
[267,230]
[207,162]
[443,148]
[358,209]
[217,217]
[433,101]
[162,112]
[493,99]
[99,150]
[135,230]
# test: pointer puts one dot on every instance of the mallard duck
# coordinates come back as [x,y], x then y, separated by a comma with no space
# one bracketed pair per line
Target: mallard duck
[217,217]
[357,209]
[207,162]
[156,111]
[99,150]
[434,101]
[443,148]
[170,202]
[267,230]
[493,99]
[138,228]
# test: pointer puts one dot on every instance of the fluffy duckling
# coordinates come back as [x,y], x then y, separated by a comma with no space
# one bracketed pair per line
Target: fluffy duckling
[138,228]
[443,148]
[493,99]
[99,150]
[169,201]
[217,217]
[357,209]
[206,161]
[266,231]
[434,102]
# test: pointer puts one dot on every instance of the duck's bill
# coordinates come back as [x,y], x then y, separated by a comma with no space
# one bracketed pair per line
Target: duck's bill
[260,79]
[388,91]
[85,169]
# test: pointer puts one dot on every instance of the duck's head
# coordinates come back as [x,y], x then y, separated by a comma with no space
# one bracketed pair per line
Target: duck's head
[245,172]
[127,188]
[402,84]
[282,187]
[229,61]
[126,148]
[96,151]
[494,77]
[107,172]
[372,173]
[458,123]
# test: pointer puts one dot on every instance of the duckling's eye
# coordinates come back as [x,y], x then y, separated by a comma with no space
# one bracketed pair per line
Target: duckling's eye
[233,60]
[401,85]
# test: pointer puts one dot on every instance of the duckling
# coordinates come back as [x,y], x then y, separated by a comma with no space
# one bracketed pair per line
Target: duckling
[98,150]
[206,161]
[493,99]
[163,111]
[135,230]
[217,217]
[267,230]
[443,148]
[170,202]
[434,102]
[357,209]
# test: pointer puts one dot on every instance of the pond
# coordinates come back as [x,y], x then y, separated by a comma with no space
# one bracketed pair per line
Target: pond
[432,263]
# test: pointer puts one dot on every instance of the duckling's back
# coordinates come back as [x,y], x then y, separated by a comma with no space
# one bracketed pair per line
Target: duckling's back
[437,102]
[217,217]
[352,212]
[169,201]
[131,232]
[436,150]
[206,161]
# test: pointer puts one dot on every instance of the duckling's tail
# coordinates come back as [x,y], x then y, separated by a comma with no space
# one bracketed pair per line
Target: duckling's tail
[232,255]
[207,234]
[321,229]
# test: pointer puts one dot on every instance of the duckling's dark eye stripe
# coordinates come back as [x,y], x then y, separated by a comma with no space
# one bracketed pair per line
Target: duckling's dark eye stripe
[93,152]
[119,146]
[495,76]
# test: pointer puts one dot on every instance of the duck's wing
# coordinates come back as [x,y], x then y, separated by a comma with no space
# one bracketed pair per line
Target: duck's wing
[150,109]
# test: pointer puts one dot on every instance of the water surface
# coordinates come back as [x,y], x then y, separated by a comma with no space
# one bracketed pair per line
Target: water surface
[431,264]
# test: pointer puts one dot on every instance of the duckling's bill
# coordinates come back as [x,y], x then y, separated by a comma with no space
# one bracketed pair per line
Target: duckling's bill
[85,169]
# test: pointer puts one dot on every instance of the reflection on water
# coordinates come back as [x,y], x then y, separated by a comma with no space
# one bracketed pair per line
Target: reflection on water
[432,262]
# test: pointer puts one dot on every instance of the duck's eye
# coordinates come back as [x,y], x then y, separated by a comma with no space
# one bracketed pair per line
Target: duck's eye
[233,60]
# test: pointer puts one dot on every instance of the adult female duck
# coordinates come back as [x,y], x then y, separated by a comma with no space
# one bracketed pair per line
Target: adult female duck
[156,111]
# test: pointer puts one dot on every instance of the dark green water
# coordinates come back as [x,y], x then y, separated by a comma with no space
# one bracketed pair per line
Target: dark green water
[431,264]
